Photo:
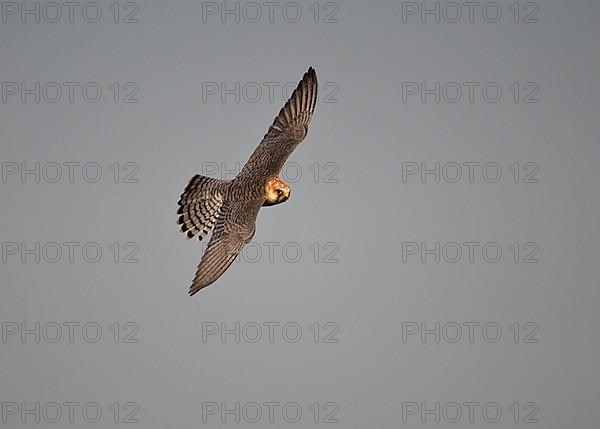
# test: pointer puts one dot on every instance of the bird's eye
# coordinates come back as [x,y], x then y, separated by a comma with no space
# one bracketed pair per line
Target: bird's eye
[279,192]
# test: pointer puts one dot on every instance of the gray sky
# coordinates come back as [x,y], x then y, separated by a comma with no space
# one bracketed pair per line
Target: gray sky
[474,144]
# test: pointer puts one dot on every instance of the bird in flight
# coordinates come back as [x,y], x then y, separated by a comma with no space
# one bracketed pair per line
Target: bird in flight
[229,208]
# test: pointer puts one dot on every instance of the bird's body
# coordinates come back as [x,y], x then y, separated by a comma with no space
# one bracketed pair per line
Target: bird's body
[229,207]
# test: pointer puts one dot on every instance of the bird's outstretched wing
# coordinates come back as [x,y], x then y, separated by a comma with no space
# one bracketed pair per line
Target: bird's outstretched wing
[288,130]
[235,227]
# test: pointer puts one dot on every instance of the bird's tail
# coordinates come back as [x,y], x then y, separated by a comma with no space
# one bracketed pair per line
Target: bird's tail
[199,205]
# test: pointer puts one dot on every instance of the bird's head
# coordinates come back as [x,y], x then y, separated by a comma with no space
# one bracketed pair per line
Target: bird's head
[276,192]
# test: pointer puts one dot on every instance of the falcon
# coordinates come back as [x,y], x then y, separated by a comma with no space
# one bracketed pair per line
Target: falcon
[229,208]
